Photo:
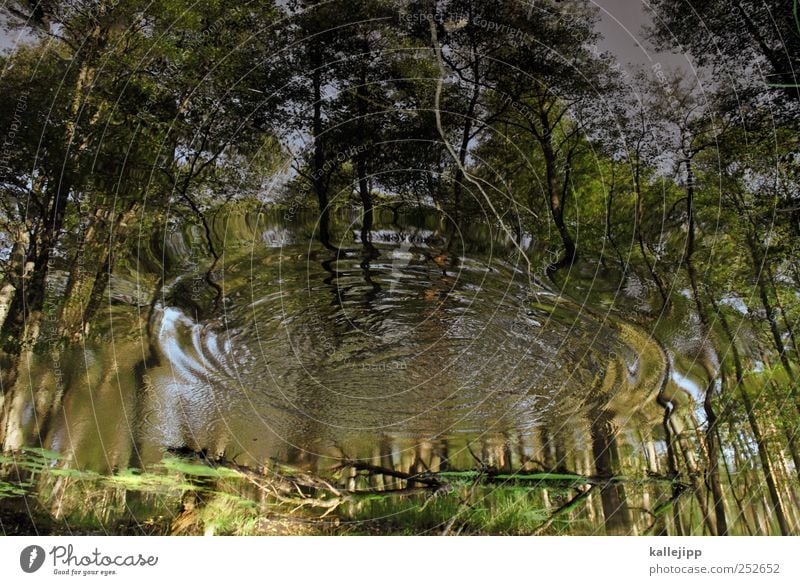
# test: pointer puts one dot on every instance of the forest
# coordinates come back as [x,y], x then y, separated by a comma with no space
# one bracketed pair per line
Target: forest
[399,267]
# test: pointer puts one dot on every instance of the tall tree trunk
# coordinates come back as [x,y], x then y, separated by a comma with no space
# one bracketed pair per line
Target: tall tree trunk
[759,265]
[732,487]
[787,322]
[319,178]
[713,449]
[766,465]
[690,236]
[16,272]
[21,326]
[690,460]
[672,460]
[710,437]
[609,219]
[606,456]
[556,201]
[88,254]
[463,149]
[361,164]
[637,185]
[790,431]
[780,347]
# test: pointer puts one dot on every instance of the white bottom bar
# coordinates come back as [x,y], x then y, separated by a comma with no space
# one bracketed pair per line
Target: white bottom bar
[400,560]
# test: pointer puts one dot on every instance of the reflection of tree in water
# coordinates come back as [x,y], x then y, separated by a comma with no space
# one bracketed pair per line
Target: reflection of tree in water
[611,470]
[144,272]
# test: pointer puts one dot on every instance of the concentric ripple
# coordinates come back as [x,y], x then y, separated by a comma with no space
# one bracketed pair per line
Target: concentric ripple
[418,338]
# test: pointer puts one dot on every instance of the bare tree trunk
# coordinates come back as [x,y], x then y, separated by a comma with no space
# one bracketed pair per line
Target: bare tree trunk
[458,178]
[17,271]
[21,326]
[319,178]
[790,327]
[789,431]
[88,253]
[556,203]
[640,235]
[609,219]
[766,465]
[361,166]
[759,263]
[606,456]
[712,448]
[742,512]
[694,472]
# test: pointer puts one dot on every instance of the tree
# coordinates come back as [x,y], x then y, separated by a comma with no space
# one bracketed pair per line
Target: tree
[555,84]
[152,112]
[90,35]
[756,36]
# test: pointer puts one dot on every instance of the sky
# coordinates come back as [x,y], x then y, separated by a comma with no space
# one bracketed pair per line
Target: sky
[7,38]
[621,26]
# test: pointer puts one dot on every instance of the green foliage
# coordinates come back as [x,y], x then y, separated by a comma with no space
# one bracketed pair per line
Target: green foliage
[499,511]
[184,120]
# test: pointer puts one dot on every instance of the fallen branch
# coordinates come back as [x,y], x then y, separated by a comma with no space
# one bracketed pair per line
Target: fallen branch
[493,476]
[568,507]
[425,478]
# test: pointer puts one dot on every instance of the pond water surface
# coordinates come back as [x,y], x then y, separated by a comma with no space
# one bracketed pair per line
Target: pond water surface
[434,351]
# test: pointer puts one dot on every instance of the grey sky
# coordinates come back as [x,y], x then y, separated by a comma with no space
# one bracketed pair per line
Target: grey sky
[621,26]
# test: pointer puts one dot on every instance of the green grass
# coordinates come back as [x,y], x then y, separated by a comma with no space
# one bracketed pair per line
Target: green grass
[189,497]
[506,510]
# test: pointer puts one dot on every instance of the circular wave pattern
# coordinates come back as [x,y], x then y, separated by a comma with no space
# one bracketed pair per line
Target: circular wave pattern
[420,340]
